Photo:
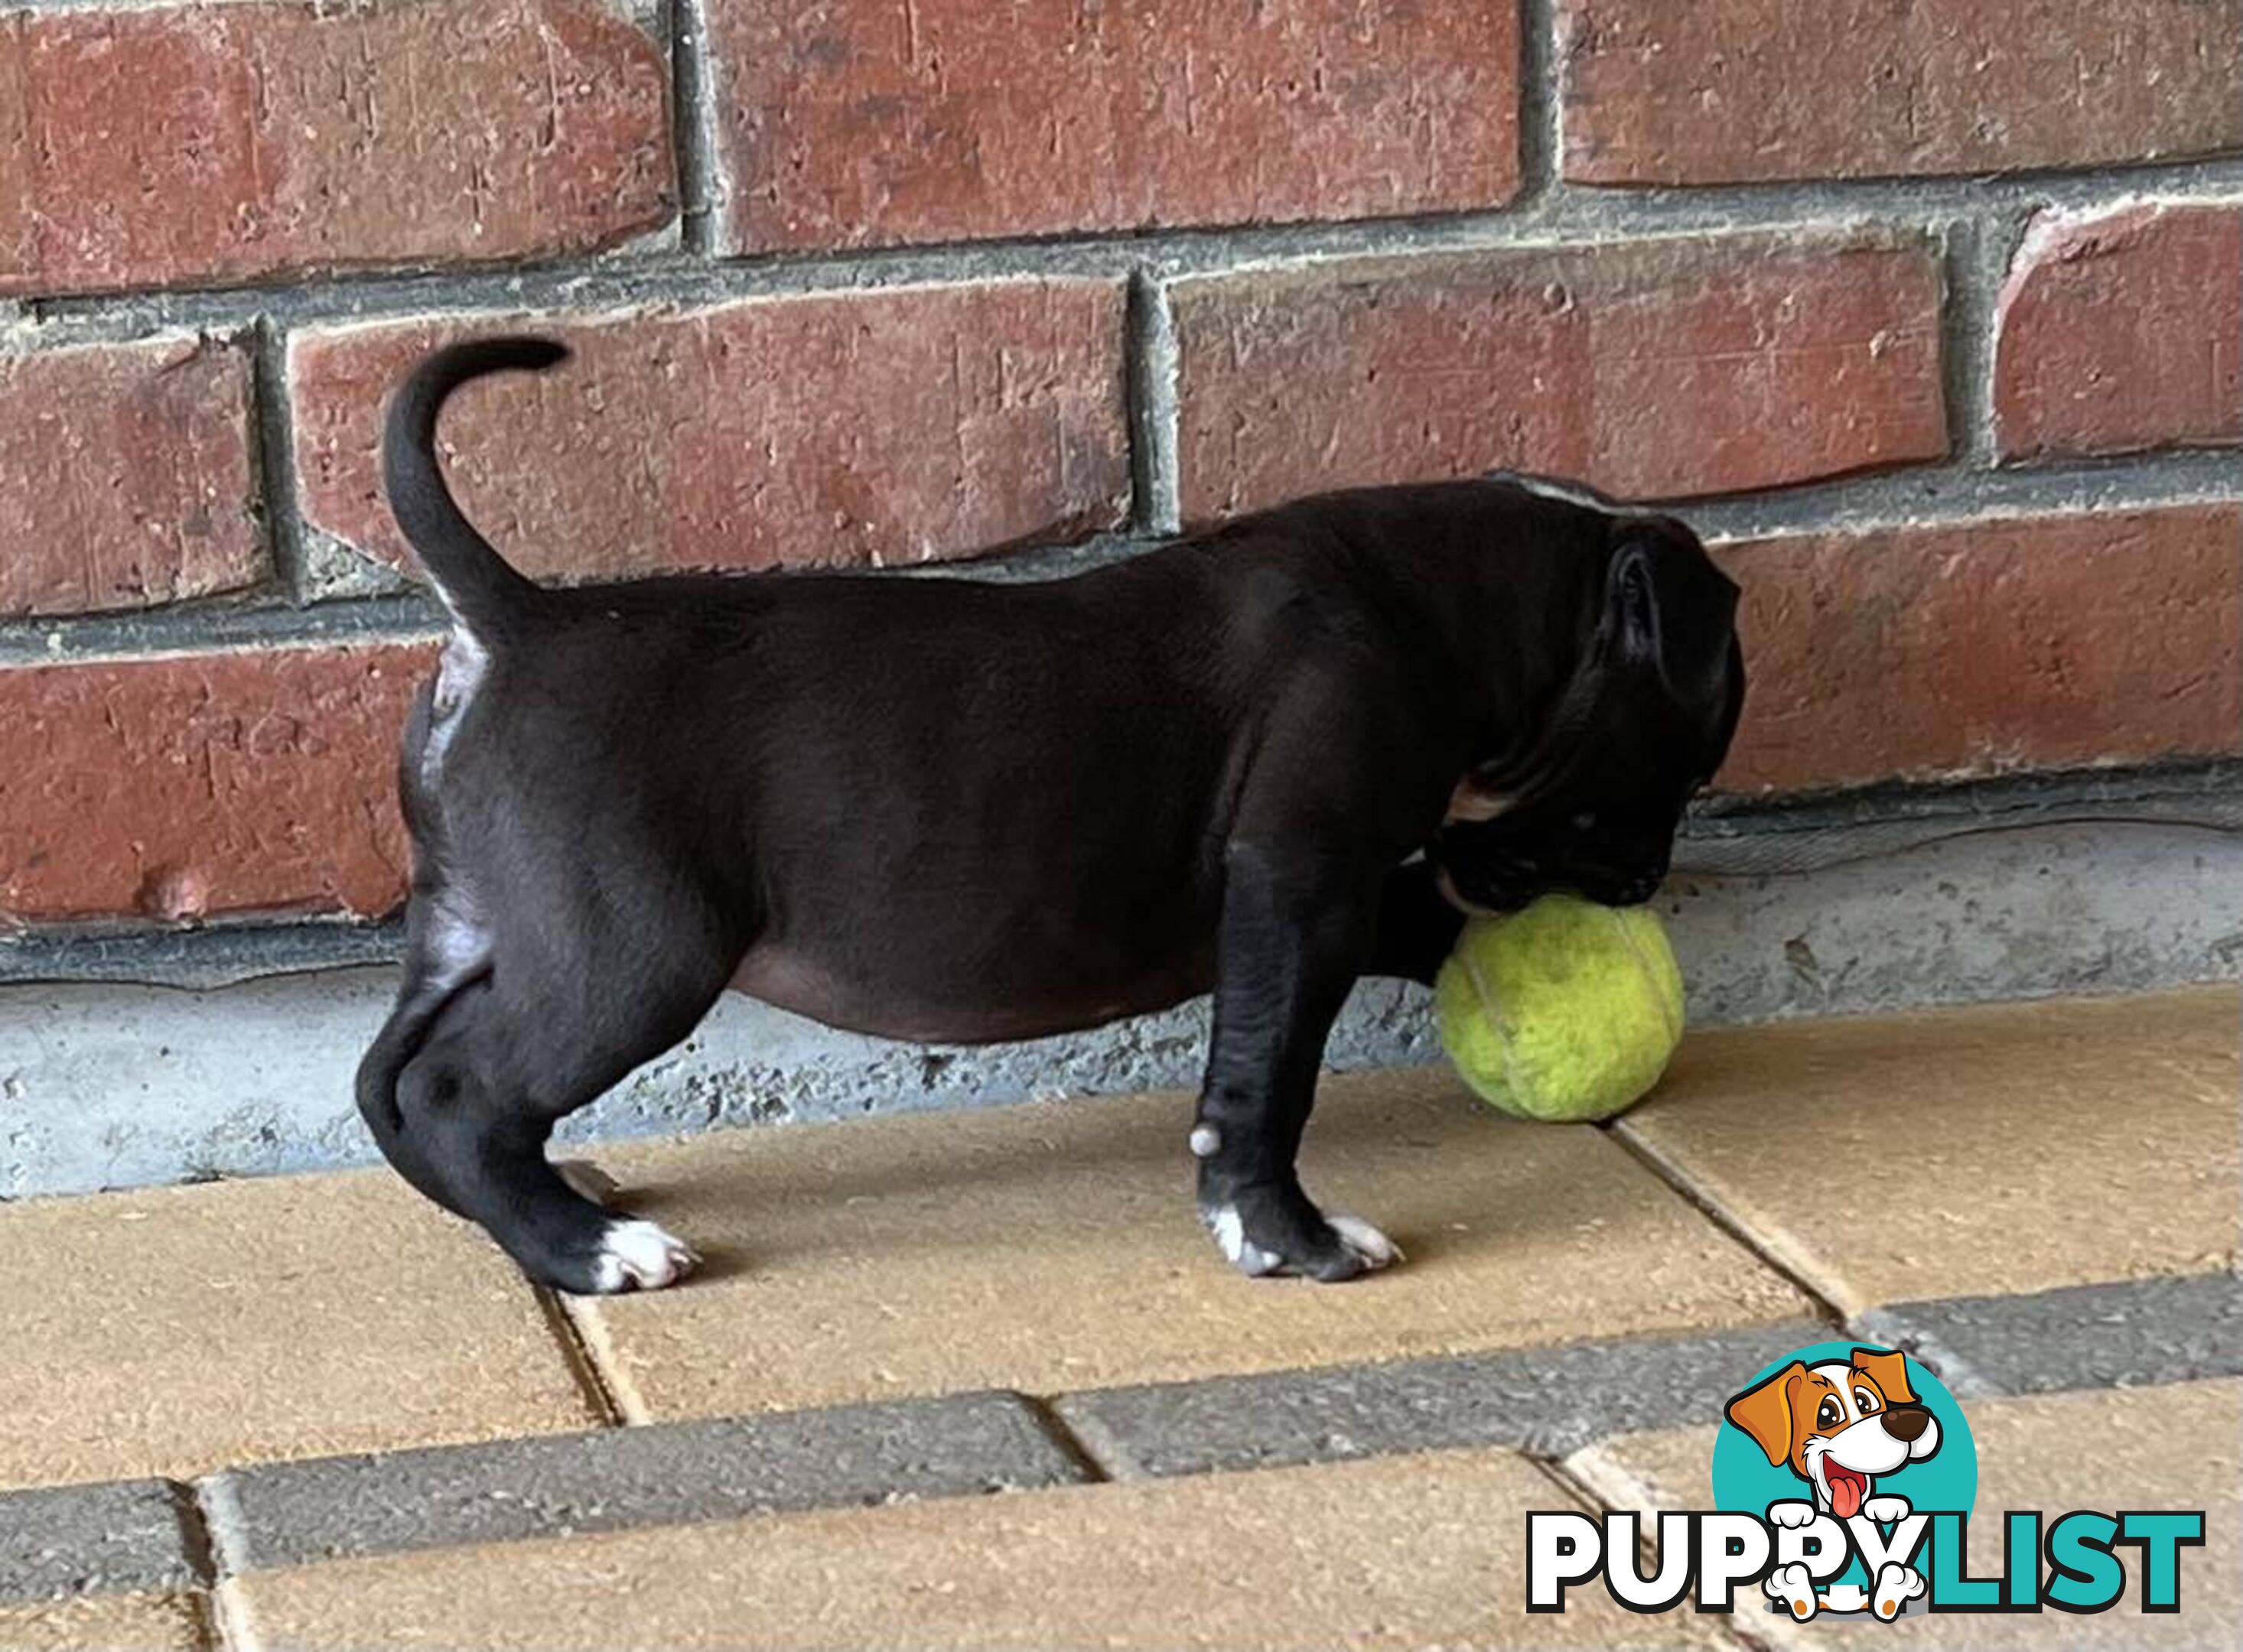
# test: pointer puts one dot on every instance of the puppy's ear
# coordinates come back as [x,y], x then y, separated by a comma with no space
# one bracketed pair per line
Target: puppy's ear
[1669,609]
[1889,1371]
[1764,1412]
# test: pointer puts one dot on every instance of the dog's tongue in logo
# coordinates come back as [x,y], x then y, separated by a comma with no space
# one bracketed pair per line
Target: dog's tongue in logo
[1846,1489]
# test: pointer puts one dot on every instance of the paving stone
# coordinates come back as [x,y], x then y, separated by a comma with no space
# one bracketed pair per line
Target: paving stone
[2167,1448]
[2138,1334]
[1993,1150]
[108,1623]
[1051,1248]
[110,1537]
[176,1330]
[284,1514]
[1400,1551]
[1550,1400]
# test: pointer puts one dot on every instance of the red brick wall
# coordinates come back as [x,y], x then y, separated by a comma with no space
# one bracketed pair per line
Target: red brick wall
[1932,314]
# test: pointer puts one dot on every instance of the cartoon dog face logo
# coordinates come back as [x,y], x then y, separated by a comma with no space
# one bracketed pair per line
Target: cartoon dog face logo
[1839,1426]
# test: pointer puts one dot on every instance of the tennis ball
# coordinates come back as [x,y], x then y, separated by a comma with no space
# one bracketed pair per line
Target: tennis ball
[1562,1011]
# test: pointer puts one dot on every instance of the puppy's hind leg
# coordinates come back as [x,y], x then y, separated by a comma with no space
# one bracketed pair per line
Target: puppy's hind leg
[508,1056]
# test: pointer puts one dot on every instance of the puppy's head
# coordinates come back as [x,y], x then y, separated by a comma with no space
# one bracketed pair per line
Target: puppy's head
[1839,1424]
[1591,800]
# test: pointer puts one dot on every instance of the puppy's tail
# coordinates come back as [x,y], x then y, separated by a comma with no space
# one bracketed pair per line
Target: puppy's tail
[477,586]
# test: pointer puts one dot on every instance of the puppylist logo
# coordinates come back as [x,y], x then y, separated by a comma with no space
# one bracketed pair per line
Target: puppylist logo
[1844,1477]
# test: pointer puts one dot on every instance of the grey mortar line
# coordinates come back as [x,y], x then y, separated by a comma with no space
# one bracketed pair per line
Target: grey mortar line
[1542,103]
[1947,495]
[274,430]
[1570,215]
[704,191]
[1722,836]
[1155,409]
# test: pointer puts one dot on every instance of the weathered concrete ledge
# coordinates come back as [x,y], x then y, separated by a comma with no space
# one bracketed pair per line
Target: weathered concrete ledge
[110,1084]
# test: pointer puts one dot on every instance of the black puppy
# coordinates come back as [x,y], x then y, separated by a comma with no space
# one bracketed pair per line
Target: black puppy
[1263,760]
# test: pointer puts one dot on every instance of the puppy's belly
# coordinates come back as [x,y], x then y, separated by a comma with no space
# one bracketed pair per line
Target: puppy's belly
[894,1006]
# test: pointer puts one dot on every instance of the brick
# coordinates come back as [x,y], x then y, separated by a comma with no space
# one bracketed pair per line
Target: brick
[184,786]
[1401,1552]
[124,477]
[2039,642]
[1970,1141]
[838,430]
[846,123]
[446,1497]
[178,1330]
[1549,1400]
[2141,1334]
[1656,93]
[191,144]
[110,1537]
[2121,330]
[1659,368]
[112,1623]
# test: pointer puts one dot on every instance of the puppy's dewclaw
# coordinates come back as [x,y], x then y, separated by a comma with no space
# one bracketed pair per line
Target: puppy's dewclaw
[641,1256]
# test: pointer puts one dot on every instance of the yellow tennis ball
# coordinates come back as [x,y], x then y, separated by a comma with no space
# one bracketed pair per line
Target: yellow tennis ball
[1562,1011]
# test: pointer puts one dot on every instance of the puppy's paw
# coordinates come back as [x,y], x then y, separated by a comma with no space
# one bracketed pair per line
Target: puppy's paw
[1886,1509]
[588,1180]
[1261,1236]
[1896,1586]
[637,1255]
[1790,1586]
[1793,1515]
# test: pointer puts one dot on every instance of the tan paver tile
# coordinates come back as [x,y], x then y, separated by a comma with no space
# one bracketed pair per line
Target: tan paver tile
[105,1623]
[1053,1247]
[1663,1469]
[1398,1551]
[175,1330]
[1960,1152]
[2168,1447]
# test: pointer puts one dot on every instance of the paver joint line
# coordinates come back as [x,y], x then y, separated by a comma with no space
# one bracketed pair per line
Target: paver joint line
[1793,1270]
[583,1364]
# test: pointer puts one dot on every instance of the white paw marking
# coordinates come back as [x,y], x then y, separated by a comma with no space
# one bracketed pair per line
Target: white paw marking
[1366,1241]
[1792,1586]
[1231,1238]
[1792,1513]
[1886,1509]
[1896,1585]
[1205,1141]
[588,1180]
[638,1255]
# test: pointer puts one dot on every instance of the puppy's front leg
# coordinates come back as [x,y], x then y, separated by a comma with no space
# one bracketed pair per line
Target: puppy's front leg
[1296,924]
[1418,928]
